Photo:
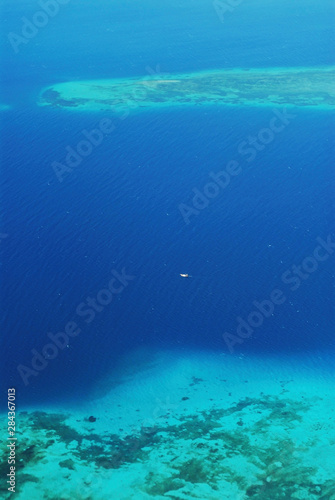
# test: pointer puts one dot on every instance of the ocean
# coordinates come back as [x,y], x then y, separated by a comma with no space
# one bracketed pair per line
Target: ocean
[263,243]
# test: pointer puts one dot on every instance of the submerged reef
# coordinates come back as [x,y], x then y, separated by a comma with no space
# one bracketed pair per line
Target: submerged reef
[267,447]
[313,87]
[4,107]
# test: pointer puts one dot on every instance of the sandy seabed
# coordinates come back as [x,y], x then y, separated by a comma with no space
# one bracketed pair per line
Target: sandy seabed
[185,425]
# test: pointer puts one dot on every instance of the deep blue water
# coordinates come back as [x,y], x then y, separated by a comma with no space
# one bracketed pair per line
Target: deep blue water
[119,208]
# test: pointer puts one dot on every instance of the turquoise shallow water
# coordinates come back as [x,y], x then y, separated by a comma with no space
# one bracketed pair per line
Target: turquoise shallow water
[62,244]
[187,424]
[294,87]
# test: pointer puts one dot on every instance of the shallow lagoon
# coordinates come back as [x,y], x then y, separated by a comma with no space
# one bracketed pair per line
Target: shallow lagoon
[313,87]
